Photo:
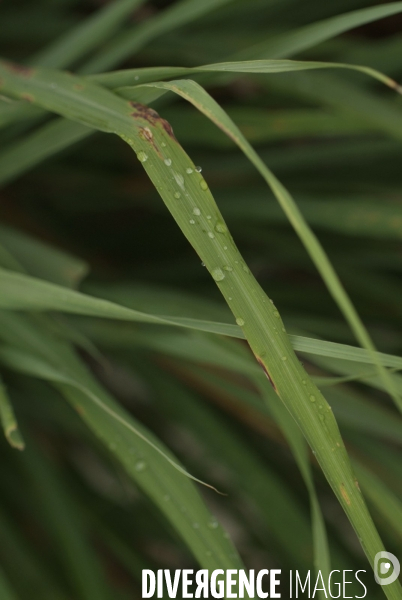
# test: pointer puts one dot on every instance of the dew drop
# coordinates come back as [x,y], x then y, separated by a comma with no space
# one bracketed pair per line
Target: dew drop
[196,211]
[140,466]
[304,382]
[203,264]
[322,418]
[163,145]
[189,170]
[240,322]
[284,357]
[221,227]
[142,157]
[225,247]
[136,77]
[213,524]
[276,314]
[192,222]
[284,330]
[203,185]
[167,162]
[211,235]
[179,179]
[198,169]
[312,398]
[209,217]
[177,194]
[227,268]
[218,274]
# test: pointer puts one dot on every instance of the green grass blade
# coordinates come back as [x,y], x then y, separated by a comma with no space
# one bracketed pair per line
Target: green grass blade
[250,474]
[81,564]
[184,191]
[42,260]
[6,591]
[30,349]
[297,443]
[195,94]
[383,499]
[119,79]
[299,40]
[87,36]
[128,43]
[9,421]
[40,145]
[22,292]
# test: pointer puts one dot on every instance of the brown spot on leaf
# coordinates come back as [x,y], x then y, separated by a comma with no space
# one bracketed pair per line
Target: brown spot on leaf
[266,373]
[19,69]
[153,118]
[168,128]
[345,495]
[146,134]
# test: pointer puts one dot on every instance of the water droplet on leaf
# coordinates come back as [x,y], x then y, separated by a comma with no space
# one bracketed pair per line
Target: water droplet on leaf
[221,227]
[142,157]
[218,274]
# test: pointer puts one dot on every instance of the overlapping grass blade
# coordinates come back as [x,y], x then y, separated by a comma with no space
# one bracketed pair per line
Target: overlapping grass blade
[22,292]
[297,443]
[30,349]
[195,94]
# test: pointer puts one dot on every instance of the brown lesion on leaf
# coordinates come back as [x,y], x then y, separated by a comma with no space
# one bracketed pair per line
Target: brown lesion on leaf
[153,118]
[168,128]
[19,69]
[267,374]
[345,495]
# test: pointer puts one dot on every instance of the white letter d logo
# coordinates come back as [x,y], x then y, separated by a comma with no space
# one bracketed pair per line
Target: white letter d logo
[388,561]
